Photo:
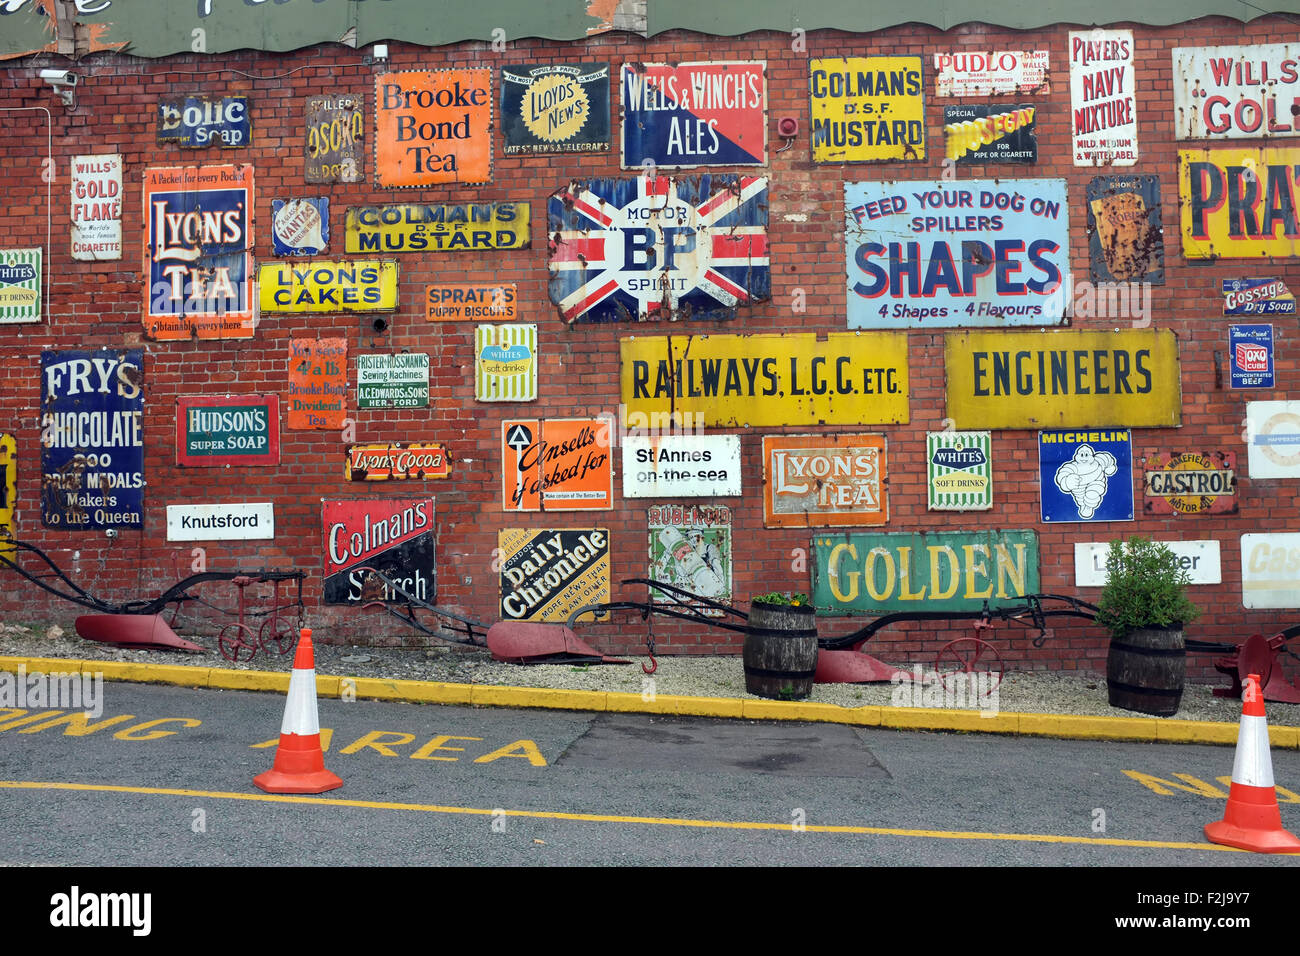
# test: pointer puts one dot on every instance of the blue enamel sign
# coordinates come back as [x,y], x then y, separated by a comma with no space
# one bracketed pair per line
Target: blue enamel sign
[1250,355]
[1086,475]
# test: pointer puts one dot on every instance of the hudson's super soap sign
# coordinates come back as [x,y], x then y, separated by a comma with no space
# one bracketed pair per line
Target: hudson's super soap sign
[867,109]
[981,252]
[694,114]
[1236,92]
[1239,203]
[228,430]
[627,250]
[395,537]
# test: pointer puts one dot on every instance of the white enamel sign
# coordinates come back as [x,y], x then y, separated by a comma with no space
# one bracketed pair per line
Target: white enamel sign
[222,522]
[1200,559]
[681,466]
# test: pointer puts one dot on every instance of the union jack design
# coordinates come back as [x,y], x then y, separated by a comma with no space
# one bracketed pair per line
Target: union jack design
[655,248]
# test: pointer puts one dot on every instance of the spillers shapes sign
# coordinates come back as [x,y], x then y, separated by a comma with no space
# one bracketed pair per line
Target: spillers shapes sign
[335,139]
[433,127]
[555,108]
[694,114]
[228,430]
[1126,237]
[1102,100]
[822,481]
[959,471]
[690,548]
[318,383]
[548,574]
[97,207]
[394,536]
[198,252]
[1190,483]
[563,464]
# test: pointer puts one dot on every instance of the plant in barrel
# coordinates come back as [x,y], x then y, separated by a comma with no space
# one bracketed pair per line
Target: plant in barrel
[1144,607]
[780,651]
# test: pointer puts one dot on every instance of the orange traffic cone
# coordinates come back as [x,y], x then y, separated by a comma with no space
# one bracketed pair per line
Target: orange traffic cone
[299,761]
[1252,820]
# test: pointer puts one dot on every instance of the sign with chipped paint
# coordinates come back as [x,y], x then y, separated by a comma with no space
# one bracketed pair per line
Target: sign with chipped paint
[1086,475]
[1257,297]
[198,252]
[691,549]
[20,285]
[867,109]
[991,133]
[92,439]
[428,227]
[883,572]
[197,120]
[217,430]
[694,114]
[959,471]
[1190,483]
[632,250]
[393,462]
[681,466]
[433,126]
[399,380]
[227,521]
[300,227]
[1236,92]
[1200,559]
[978,252]
[320,285]
[824,481]
[395,536]
[318,383]
[1239,202]
[505,363]
[1250,355]
[97,207]
[1125,232]
[1018,379]
[555,108]
[1273,439]
[853,378]
[1103,104]
[1270,570]
[979,73]
[8,493]
[335,144]
[562,464]
[547,574]
[471,302]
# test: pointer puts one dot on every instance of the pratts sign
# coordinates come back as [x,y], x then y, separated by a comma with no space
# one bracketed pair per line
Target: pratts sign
[1239,202]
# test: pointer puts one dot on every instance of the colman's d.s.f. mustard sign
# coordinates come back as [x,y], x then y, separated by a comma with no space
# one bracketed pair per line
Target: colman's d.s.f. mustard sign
[867,109]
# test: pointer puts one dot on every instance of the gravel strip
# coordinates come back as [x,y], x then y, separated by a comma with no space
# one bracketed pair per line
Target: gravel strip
[1042,692]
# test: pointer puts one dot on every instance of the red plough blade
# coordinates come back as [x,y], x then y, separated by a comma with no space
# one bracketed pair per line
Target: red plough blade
[518,642]
[852,667]
[1258,655]
[146,631]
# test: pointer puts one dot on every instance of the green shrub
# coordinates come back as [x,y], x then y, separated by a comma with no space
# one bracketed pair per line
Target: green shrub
[1144,588]
[781,598]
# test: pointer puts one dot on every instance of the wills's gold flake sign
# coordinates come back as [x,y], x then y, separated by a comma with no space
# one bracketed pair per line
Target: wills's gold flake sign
[357,285]
[1063,379]
[1239,203]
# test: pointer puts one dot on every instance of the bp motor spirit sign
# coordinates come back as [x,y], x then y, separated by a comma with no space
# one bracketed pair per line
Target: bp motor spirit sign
[228,430]
[630,250]
[394,536]
[547,574]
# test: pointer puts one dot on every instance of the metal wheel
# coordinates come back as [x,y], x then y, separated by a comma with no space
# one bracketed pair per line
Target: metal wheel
[234,644]
[277,633]
[969,655]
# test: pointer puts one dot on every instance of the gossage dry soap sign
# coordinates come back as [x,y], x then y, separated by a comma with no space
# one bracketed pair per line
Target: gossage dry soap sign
[555,108]
[1236,92]
[97,207]
[394,536]
[867,109]
[92,451]
[821,481]
[694,114]
[548,574]
[1239,203]
[433,127]
[765,380]
[228,430]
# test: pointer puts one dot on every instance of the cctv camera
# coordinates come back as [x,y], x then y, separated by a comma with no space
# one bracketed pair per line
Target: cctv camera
[59,77]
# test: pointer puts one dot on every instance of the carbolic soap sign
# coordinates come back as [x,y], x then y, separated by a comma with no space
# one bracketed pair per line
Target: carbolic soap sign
[555,108]
[631,250]
[195,121]
[694,114]
[394,536]
[198,252]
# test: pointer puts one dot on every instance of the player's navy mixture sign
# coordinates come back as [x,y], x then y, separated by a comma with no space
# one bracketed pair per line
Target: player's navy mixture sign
[626,250]
[694,114]
[555,108]
[92,454]
[394,536]
[1086,475]
[977,253]
[195,121]
[1102,100]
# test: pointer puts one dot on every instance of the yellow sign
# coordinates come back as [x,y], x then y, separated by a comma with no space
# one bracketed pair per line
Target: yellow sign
[8,488]
[425,227]
[1239,203]
[867,109]
[358,285]
[856,378]
[1003,379]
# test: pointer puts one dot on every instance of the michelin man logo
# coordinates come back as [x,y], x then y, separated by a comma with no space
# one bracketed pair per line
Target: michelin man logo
[1084,478]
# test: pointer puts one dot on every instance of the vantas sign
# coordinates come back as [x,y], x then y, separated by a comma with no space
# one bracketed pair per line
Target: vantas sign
[694,114]
[656,248]
[1239,203]
[198,252]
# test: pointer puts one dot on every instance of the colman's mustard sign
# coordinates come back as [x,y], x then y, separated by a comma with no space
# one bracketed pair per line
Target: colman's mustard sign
[1063,379]
[358,285]
[1239,203]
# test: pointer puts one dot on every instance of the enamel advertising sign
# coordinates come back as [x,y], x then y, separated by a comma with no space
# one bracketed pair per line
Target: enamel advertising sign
[555,108]
[978,252]
[1086,475]
[1250,355]
[690,548]
[1190,483]
[694,114]
[1273,439]
[318,383]
[429,227]
[300,227]
[1239,203]
[1257,297]
[8,492]
[1270,570]
[1236,92]
[959,471]
[980,73]
[433,126]
[823,481]
[547,574]
[867,109]
[563,464]
[505,363]
[472,302]
[1103,106]
[216,430]
[393,462]
[399,380]
[198,120]
[97,207]
[681,466]
[633,250]
[319,285]
[395,536]
[978,134]
[335,139]
[198,252]
[20,285]
[224,521]
[1125,232]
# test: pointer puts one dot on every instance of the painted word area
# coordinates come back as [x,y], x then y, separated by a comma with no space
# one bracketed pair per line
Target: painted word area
[977,690]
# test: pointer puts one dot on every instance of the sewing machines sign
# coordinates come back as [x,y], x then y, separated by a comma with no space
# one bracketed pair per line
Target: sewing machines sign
[1086,475]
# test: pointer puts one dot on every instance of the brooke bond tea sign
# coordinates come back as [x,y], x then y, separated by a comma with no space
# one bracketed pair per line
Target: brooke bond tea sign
[1125,231]
[1102,102]
[394,536]
[563,464]
[1190,483]
[97,207]
[20,285]
[547,574]
[1236,92]
[335,142]
[630,250]
[690,548]
[681,466]
[227,430]
[981,73]
[437,228]
[318,383]
[694,114]
[867,109]
[392,462]
[555,108]
[433,127]
[959,471]
[979,134]
[198,252]
[1238,202]
[822,481]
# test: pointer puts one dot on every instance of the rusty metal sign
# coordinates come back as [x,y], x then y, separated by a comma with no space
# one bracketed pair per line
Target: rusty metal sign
[1125,233]
[1239,202]
[321,285]
[824,481]
[471,302]
[1236,92]
[395,462]
[8,493]
[691,548]
[411,227]
[318,382]
[300,227]
[547,574]
[555,108]
[92,439]
[399,380]
[433,126]
[867,109]
[1189,483]
[198,252]
[395,536]
[196,120]
[97,207]
[989,133]
[635,250]
[980,73]
[1103,103]
[215,430]
[335,147]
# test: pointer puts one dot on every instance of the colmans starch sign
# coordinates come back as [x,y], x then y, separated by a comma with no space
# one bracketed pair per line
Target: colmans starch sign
[394,536]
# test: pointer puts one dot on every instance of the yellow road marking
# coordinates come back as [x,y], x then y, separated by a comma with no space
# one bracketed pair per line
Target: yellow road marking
[611,818]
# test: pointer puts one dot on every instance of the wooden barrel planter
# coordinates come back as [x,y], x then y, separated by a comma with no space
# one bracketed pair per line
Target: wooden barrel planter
[1145,670]
[781,651]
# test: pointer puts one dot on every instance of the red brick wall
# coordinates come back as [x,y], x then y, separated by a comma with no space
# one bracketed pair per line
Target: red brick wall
[99,304]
